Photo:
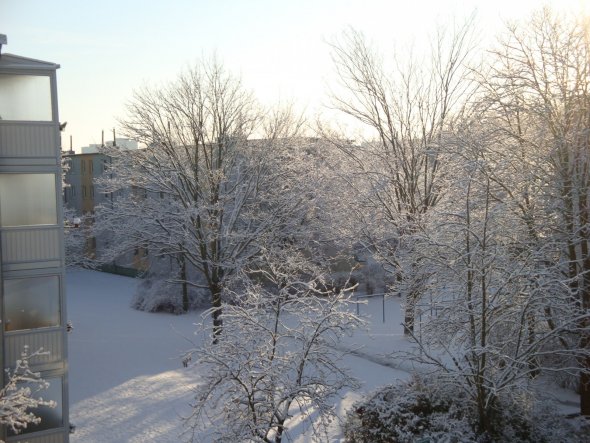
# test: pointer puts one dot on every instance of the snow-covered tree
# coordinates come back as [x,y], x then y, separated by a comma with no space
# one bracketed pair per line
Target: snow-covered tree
[275,365]
[399,172]
[77,231]
[202,189]
[19,396]
[488,289]
[484,207]
[537,93]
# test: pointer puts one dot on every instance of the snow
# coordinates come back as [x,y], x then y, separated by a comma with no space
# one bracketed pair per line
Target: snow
[126,382]
[126,379]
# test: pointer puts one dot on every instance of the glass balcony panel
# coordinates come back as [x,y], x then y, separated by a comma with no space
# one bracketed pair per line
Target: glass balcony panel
[25,97]
[51,418]
[31,303]
[27,199]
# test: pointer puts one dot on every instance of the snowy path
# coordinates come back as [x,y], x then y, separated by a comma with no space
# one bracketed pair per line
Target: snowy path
[126,380]
[142,409]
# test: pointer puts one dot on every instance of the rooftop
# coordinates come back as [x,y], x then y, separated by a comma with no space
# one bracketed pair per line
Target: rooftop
[11,61]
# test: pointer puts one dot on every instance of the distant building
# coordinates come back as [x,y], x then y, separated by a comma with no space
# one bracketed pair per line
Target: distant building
[124,143]
[82,195]
[31,237]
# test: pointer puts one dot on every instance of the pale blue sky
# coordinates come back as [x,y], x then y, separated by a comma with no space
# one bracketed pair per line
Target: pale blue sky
[107,48]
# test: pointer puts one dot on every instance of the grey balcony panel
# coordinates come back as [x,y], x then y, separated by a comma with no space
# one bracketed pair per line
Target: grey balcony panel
[42,437]
[29,245]
[27,140]
[33,265]
[49,340]
[32,164]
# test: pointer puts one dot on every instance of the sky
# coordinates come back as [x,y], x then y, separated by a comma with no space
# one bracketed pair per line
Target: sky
[280,48]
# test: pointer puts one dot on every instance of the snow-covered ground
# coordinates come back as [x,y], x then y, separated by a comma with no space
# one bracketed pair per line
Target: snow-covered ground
[126,380]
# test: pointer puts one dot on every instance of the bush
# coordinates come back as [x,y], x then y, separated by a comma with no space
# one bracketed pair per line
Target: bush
[156,294]
[414,411]
[407,412]
[373,277]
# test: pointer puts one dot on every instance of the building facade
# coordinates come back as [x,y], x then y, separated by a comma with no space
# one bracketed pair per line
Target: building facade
[82,195]
[32,287]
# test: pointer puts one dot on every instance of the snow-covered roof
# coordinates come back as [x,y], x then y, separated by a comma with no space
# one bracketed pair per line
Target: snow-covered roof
[11,61]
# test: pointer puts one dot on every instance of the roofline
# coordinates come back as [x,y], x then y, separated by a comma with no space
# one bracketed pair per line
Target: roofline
[82,153]
[34,61]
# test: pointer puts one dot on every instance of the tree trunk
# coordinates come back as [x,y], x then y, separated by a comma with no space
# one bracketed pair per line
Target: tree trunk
[485,407]
[185,302]
[410,314]
[585,300]
[279,434]
[533,359]
[585,382]
[585,347]
[216,313]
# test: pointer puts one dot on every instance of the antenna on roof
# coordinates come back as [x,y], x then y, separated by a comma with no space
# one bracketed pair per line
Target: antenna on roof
[3,41]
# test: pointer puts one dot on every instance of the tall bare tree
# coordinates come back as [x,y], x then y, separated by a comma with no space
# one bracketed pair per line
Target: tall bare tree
[539,85]
[201,189]
[409,111]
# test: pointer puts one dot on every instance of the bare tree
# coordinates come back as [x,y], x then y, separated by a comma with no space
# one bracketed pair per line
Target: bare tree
[538,88]
[276,358]
[487,288]
[409,112]
[202,190]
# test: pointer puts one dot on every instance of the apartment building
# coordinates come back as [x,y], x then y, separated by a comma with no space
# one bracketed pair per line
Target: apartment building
[82,195]
[31,237]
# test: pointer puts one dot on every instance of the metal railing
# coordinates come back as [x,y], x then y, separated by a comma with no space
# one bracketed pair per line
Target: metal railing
[368,296]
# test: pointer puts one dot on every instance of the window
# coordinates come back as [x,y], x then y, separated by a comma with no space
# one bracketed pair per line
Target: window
[83,165]
[31,303]
[51,418]
[91,166]
[27,200]
[25,97]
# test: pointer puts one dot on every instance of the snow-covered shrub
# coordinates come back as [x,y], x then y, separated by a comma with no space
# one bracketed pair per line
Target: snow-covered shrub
[408,412]
[18,397]
[156,293]
[426,410]
[373,276]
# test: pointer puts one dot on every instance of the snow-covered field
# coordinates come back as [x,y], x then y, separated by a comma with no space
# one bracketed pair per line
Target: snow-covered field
[126,380]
